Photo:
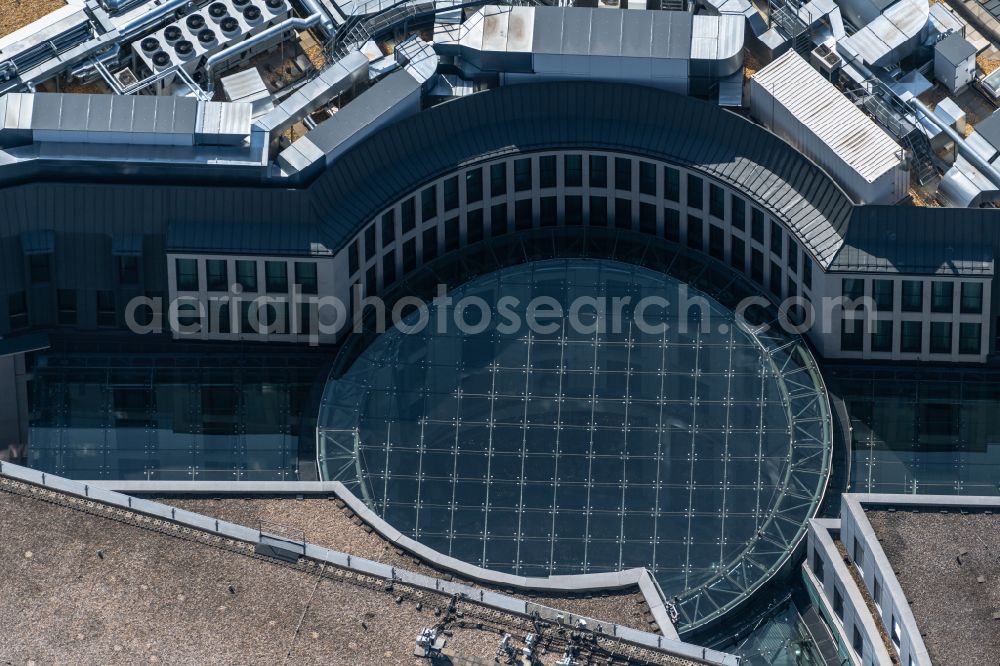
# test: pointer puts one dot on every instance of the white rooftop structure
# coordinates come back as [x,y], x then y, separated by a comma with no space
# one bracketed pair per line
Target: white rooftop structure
[797,103]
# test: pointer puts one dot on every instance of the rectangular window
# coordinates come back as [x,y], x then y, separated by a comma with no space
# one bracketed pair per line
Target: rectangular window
[775,279]
[498,219]
[598,171]
[969,334]
[623,174]
[851,335]
[307,319]
[647,178]
[695,193]
[370,247]
[523,214]
[498,179]
[853,288]
[793,256]
[716,242]
[38,268]
[430,243]
[757,225]
[739,212]
[128,270]
[428,204]
[671,184]
[573,165]
[574,210]
[17,310]
[246,272]
[522,175]
[838,603]
[388,227]
[818,565]
[66,302]
[474,220]
[877,592]
[858,642]
[757,266]
[737,253]
[371,281]
[452,231]
[807,272]
[547,212]
[972,298]
[409,255]
[450,189]
[672,225]
[716,201]
[912,296]
[647,218]
[217,275]
[389,268]
[694,232]
[547,171]
[187,274]
[777,240]
[859,554]
[305,277]
[623,213]
[276,277]
[598,211]
[911,337]
[942,297]
[882,336]
[882,295]
[473,185]
[940,337]
[106,308]
[408,216]
[353,261]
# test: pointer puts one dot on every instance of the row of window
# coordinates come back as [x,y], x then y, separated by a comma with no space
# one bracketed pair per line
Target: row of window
[40,269]
[67,308]
[942,296]
[221,274]
[602,213]
[654,181]
[911,336]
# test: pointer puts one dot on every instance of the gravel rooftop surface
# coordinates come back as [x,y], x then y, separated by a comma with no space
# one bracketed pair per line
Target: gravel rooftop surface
[327,525]
[84,583]
[953,609]
[15,14]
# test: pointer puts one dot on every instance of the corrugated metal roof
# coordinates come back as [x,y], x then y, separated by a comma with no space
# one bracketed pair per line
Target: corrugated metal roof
[273,238]
[530,117]
[828,114]
[920,241]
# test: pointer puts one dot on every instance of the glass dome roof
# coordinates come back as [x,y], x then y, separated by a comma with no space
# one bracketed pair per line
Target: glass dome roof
[699,451]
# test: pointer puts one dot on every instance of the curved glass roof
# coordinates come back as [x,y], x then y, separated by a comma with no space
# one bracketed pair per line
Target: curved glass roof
[699,451]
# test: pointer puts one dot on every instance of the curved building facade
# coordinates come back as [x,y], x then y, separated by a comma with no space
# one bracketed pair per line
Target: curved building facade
[616,188]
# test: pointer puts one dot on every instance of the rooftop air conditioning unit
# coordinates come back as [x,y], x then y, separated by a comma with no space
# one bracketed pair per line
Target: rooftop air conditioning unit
[192,39]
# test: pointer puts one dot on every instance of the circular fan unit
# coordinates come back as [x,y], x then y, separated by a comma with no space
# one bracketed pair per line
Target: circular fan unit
[274,5]
[172,33]
[160,59]
[229,25]
[150,45]
[206,36]
[217,10]
[251,13]
[195,22]
[184,48]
